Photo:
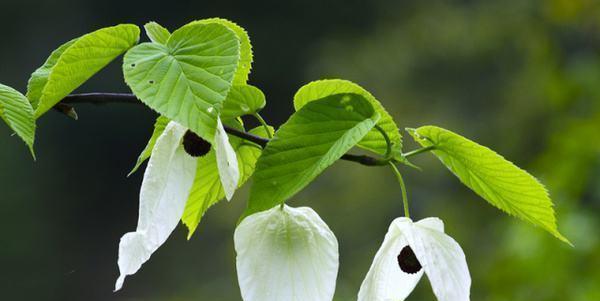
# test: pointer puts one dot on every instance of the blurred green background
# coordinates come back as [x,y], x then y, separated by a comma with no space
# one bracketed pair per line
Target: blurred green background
[520,76]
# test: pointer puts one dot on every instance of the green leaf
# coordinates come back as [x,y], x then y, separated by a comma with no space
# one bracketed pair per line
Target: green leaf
[77,61]
[242,100]
[309,142]
[246,57]
[39,77]
[159,127]
[17,112]
[492,177]
[373,141]
[207,189]
[157,33]
[187,79]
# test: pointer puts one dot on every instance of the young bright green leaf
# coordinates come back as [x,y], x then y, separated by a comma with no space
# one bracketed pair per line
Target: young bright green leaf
[187,79]
[75,62]
[246,57]
[242,100]
[492,177]
[310,141]
[39,77]
[157,33]
[159,127]
[207,189]
[373,141]
[17,112]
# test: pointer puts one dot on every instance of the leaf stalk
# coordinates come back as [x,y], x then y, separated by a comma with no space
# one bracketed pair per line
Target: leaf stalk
[418,151]
[264,124]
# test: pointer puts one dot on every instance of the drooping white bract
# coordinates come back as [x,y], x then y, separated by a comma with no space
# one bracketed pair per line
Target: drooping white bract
[165,190]
[440,256]
[227,162]
[166,187]
[286,254]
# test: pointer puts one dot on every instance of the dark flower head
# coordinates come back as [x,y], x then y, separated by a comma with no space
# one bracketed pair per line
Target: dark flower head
[408,262]
[194,145]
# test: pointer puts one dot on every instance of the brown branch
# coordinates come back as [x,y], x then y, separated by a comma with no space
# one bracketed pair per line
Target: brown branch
[106,98]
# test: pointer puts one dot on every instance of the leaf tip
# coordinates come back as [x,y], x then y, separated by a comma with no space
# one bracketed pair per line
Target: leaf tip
[412,132]
[32,153]
[562,238]
[190,233]
[135,168]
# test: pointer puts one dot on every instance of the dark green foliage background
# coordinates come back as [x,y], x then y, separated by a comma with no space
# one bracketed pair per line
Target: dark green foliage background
[522,77]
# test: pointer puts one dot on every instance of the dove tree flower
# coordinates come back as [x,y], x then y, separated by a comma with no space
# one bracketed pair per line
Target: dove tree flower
[410,250]
[166,186]
[196,78]
[287,254]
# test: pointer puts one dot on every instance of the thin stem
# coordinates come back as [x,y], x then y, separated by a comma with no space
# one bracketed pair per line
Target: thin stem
[264,124]
[419,151]
[266,127]
[388,151]
[106,98]
[403,188]
[246,136]
[101,98]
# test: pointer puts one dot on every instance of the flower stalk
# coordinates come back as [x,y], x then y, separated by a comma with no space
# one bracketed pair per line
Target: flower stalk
[403,188]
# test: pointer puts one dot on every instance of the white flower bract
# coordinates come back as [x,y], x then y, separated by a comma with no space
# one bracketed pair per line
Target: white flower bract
[440,256]
[286,254]
[227,162]
[166,187]
[165,190]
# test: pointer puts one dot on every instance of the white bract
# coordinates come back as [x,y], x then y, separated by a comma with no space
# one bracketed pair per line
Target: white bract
[440,256]
[165,189]
[227,162]
[286,254]
[166,186]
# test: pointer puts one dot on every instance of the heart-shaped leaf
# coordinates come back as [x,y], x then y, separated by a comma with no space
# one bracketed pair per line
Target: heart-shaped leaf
[187,79]
[246,57]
